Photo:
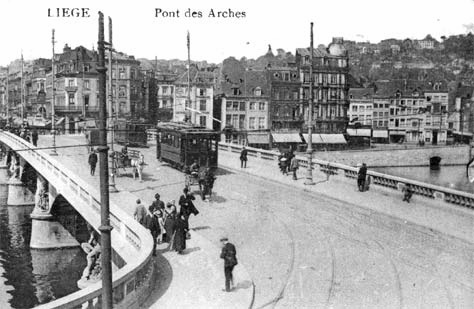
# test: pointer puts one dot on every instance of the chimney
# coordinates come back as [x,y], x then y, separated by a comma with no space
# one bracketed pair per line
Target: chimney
[66,48]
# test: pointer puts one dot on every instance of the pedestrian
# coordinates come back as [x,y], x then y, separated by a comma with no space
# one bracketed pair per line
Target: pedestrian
[243,158]
[140,212]
[151,222]
[407,194]
[160,215]
[361,175]
[181,230]
[34,137]
[169,222]
[157,203]
[229,254]
[93,161]
[186,204]
[294,167]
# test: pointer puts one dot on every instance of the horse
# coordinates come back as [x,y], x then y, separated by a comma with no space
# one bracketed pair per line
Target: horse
[137,165]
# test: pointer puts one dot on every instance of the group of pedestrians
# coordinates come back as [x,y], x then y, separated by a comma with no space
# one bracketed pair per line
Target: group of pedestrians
[25,133]
[166,224]
[287,162]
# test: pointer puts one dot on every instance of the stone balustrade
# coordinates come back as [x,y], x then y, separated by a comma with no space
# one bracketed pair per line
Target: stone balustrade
[383,180]
[131,243]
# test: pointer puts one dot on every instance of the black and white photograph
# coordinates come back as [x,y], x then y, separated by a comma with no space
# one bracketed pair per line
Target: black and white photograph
[236,154]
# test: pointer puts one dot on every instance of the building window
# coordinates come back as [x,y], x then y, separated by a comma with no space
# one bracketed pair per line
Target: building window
[228,120]
[202,91]
[122,91]
[354,108]
[242,106]
[235,121]
[261,106]
[235,106]
[252,106]
[236,91]
[258,91]
[261,123]
[202,120]
[71,83]
[252,123]
[122,73]
[202,105]
[71,99]
[86,84]
[241,121]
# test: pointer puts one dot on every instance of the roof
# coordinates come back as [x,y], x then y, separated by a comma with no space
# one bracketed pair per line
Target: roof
[380,133]
[286,138]
[361,93]
[317,52]
[183,127]
[196,77]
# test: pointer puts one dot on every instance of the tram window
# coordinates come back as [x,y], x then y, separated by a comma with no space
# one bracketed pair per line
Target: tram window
[204,144]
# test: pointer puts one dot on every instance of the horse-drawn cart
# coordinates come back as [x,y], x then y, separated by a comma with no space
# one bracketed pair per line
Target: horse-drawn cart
[130,162]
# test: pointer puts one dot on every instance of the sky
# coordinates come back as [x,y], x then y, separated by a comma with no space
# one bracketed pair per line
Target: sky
[26,26]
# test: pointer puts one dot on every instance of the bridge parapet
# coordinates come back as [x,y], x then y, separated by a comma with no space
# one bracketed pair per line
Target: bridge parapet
[130,241]
[383,180]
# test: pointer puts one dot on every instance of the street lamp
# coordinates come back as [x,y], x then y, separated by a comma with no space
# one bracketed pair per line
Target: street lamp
[53,98]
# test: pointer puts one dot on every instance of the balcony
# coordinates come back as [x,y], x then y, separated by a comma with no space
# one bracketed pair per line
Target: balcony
[71,88]
[70,108]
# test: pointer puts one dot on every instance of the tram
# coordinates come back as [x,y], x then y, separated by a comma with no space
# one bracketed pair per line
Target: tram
[180,144]
[131,133]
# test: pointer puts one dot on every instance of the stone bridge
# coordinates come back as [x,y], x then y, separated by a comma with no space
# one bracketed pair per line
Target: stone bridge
[131,243]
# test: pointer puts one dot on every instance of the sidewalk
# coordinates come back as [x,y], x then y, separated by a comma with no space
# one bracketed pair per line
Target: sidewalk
[192,280]
[448,219]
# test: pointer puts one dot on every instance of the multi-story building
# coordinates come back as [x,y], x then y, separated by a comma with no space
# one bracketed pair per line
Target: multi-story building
[286,111]
[330,91]
[436,116]
[149,96]
[361,103]
[194,101]
[461,114]
[243,98]
[165,96]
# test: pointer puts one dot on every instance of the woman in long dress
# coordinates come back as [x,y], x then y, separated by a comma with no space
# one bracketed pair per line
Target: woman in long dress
[181,228]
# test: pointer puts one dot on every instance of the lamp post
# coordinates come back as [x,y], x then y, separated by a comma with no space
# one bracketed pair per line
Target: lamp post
[309,151]
[110,120]
[53,98]
[105,227]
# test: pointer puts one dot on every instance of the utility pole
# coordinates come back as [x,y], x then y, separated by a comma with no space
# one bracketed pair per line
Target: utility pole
[110,120]
[188,105]
[8,97]
[53,99]
[22,94]
[105,228]
[309,151]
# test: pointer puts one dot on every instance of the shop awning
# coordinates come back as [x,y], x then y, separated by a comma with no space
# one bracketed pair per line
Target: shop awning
[286,138]
[257,138]
[333,138]
[462,133]
[394,132]
[380,133]
[326,138]
[359,132]
[316,138]
[60,121]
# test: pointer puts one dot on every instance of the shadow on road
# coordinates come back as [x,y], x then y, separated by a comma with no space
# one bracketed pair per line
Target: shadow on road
[162,283]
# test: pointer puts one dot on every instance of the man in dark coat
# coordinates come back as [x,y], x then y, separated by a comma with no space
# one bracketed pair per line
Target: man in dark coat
[34,137]
[181,229]
[243,158]
[157,203]
[151,222]
[93,161]
[229,254]
[361,175]
[187,205]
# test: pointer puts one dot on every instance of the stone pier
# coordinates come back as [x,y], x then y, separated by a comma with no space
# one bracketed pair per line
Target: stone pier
[46,231]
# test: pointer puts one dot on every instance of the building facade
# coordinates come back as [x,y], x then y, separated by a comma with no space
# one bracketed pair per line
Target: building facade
[330,90]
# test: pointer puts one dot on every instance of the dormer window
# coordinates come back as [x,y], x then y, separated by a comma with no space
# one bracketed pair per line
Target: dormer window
[258,91]
[236,91]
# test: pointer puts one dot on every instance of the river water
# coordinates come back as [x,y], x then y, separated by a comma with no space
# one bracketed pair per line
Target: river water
[29,277]
[453,177]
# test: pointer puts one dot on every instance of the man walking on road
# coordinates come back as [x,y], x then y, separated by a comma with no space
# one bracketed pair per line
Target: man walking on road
[243,158]
[34,137]
[93,161]
[229,255]
[294,167]
[157,203]
[151,222]
[140,212]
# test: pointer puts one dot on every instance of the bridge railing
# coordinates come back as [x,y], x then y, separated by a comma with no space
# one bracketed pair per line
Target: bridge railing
[132,244]
[388,181]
